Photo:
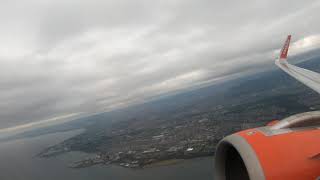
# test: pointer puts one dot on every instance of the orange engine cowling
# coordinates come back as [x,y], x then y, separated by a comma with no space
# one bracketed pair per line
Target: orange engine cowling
[285,150]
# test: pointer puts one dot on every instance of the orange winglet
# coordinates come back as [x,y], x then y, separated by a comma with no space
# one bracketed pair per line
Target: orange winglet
[285,48]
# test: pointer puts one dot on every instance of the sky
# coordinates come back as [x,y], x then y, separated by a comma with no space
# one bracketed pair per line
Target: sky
[70,58]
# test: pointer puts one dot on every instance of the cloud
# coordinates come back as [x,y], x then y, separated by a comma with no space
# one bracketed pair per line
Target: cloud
[5,132]
[65,57]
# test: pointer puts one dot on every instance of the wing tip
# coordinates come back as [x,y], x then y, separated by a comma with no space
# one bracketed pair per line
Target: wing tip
[285,49]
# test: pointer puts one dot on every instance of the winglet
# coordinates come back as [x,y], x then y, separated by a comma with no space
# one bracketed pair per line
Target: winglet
[285,48]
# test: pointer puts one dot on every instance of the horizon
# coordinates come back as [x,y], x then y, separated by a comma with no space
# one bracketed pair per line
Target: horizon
[60,120]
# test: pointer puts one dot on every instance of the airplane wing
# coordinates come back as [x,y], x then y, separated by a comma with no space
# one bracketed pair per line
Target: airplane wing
[307,77]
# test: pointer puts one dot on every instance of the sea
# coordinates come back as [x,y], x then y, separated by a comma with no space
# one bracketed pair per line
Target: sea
[19,161]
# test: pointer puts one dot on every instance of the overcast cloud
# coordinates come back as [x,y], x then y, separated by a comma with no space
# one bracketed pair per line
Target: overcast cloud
[61,57]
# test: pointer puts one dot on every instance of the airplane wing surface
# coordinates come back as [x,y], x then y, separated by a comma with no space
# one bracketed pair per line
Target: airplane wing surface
[305,76]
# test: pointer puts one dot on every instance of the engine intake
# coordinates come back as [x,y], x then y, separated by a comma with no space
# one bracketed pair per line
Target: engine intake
[233,156]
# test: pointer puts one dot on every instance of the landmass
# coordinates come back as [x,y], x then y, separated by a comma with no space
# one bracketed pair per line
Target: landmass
[189,124]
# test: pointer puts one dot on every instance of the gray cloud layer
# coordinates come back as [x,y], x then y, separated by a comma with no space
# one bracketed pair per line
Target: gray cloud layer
[61,57]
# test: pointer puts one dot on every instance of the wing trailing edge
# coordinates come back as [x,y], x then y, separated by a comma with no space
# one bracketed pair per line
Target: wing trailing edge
[305,76]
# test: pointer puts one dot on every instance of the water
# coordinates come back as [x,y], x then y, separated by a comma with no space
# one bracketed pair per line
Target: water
[18,162]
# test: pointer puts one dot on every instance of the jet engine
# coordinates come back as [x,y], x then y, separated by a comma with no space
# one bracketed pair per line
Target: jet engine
[288,149]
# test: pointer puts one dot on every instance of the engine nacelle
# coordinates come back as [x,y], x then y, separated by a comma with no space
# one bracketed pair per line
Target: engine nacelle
[285,150]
